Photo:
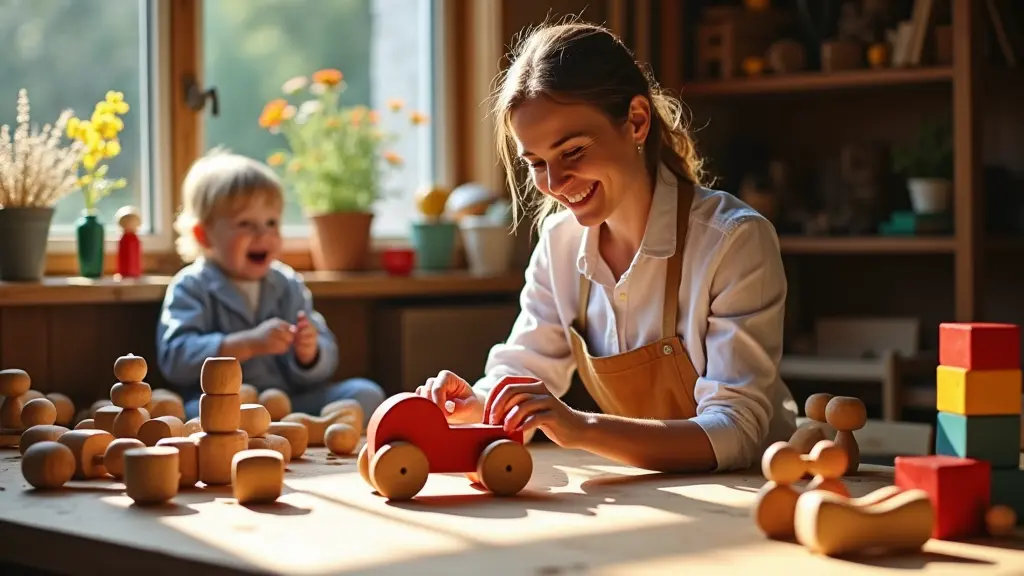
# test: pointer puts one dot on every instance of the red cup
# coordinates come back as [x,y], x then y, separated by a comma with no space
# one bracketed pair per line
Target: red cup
[398,261]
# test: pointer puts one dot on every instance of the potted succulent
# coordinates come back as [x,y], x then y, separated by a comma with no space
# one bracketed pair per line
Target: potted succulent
[37,170]
[927,163]
[433,234]
[333,163]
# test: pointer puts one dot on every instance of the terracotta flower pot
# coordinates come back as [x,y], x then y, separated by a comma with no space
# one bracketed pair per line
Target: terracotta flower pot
[340,241]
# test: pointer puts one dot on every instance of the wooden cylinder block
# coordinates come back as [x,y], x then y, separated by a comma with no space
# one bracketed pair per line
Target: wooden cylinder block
[87,424]
[128,421]
[341,438]
[255,419]
[257,476]
[86,445]
[193,426]
[47,465]
[272,442]
[38,412]
[104,417]
[221,376]
[166,406]
[130,368]
[188,459]
[113,457]
[131,395]
[296,434]
[97,405]
[65,408]
[276,402]
[40,433]
[10,414]
[220,412]
[249,393]
[155,429]
[151,474]
[14,382]
[215,453]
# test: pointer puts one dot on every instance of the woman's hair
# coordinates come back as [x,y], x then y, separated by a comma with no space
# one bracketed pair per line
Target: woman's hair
[584,63]
[221,183]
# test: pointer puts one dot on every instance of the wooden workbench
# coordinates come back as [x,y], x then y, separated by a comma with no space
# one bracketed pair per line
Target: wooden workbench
[580,514]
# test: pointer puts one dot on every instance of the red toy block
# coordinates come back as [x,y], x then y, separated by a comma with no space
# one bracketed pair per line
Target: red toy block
[979,345]
[959,488]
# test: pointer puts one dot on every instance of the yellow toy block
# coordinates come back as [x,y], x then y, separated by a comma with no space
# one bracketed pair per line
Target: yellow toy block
[978,392]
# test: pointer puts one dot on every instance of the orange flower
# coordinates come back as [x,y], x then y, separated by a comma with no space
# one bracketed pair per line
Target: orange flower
[328,77]
[373,117]
[395,104]
[392,158]
[276,159]
[273,113]
[418,118]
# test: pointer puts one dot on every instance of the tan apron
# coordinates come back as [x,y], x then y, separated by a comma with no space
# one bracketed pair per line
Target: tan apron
[655,381]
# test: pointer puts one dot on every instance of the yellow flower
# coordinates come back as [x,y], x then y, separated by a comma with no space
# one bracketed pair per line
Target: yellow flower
[72,127]
[276,159]
[114,97]
[113,148]
[89,161]
[273,112]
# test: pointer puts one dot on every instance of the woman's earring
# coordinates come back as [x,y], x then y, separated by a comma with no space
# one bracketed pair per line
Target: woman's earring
[639,148]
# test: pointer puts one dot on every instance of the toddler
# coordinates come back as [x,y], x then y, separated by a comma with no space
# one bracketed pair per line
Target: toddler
[236,299]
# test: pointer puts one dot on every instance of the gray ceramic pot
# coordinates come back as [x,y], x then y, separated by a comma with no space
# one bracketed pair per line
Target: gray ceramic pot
[24,233]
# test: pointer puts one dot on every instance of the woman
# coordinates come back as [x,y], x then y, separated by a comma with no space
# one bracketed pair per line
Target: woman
[667,297]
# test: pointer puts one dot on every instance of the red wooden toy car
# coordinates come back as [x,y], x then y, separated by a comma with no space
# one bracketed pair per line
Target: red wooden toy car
[408,437]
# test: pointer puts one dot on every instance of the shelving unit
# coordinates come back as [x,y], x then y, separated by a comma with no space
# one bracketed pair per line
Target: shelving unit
[817,82]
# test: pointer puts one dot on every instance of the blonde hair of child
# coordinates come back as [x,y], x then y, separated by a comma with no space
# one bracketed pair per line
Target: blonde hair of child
[219,184]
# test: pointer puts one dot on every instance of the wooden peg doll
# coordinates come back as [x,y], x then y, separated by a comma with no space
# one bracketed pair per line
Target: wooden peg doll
[129,249]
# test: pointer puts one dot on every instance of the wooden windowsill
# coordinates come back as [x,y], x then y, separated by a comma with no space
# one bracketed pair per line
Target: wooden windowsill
[366,285]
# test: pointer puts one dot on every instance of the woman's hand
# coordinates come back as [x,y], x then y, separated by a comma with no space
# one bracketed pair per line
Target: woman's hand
[514,402]
[454,396]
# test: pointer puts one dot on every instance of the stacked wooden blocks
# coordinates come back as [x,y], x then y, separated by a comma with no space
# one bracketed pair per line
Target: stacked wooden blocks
[220,415]
[977,441]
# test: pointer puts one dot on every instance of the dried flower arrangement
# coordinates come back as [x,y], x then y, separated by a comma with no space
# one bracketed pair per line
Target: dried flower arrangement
[36,168]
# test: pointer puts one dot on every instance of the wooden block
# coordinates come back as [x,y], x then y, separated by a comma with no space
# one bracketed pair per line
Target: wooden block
[188,459]
[151,474]
[977,392]
[220,412]
[295,433]
[86,445]
[1008,490]
[959,489]
[215,453]
[995,439]
[156,429]
[979,345]
[221,375]
[257,476]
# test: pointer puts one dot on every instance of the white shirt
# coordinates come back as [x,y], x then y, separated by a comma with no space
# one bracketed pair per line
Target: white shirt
[731,306]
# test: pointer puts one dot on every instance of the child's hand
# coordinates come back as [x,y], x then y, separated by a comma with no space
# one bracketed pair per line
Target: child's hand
[306,344]
[272,337]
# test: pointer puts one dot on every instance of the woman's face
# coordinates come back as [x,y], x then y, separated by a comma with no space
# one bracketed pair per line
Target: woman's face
[577,156]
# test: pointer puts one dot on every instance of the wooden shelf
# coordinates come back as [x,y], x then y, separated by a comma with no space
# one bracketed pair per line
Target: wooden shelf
[867,245]
[818,82]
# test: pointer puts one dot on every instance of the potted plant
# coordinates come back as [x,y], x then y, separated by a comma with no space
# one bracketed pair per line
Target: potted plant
[98,135]
[36,171]
[927,163]
[333,163]
[433,235]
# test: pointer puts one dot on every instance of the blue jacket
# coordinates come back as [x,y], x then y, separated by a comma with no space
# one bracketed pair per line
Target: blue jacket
[202,305]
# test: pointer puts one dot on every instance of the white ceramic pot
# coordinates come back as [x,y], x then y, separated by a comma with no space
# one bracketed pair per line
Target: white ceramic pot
[488,244]
[930,195]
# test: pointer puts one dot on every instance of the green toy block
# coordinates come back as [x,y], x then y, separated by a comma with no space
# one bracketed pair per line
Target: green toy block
[1008,490]
[992,438]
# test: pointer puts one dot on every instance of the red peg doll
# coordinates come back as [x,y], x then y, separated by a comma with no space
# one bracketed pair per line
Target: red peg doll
[129,250]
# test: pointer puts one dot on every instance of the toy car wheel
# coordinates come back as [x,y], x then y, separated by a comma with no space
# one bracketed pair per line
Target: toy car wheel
[399,470]
[505,467]
[364,465]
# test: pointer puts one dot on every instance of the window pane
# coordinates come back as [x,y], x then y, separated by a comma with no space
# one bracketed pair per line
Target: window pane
[68,54]
[383,49]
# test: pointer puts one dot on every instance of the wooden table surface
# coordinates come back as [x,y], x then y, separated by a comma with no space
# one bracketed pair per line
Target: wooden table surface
[580,514]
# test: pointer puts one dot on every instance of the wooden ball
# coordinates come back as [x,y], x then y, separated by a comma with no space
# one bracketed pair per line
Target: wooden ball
[1000,520]
[250,394]
[296,434]
[193,426]
[215,453]
[828,459]
[257,476]
[47,465]
[341,438]
[113,457]
[815,405]
[131,395]
[86,445]
[87,424]
[151,474]
[782,464]
[221,376]
[130,368]
[220,413]
[104,417]
[156,429]
[188,459]
[31,394]
[279,444]
[128,422]
[805,437]
[166,406]
[14,382]
[97,405]
[39,433]
[10,414]
[255,419]
[65,408]
[276,402]
[846,413]
[38,412]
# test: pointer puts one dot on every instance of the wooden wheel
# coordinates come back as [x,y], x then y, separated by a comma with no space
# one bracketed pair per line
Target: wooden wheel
[364,466]
[505,467]
[399,470]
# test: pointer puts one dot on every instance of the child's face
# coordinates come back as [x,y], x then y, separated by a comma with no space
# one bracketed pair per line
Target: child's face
[245,242]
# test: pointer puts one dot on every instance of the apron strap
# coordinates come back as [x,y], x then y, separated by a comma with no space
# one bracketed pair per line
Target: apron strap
[674,267]
[584,300]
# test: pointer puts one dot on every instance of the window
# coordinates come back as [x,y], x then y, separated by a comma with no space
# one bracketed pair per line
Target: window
[384,49]
[49,53]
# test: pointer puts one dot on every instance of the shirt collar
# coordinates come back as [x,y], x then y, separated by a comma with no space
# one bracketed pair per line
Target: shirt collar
[659,239]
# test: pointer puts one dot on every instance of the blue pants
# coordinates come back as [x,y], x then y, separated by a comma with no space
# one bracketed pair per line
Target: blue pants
[367,392]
